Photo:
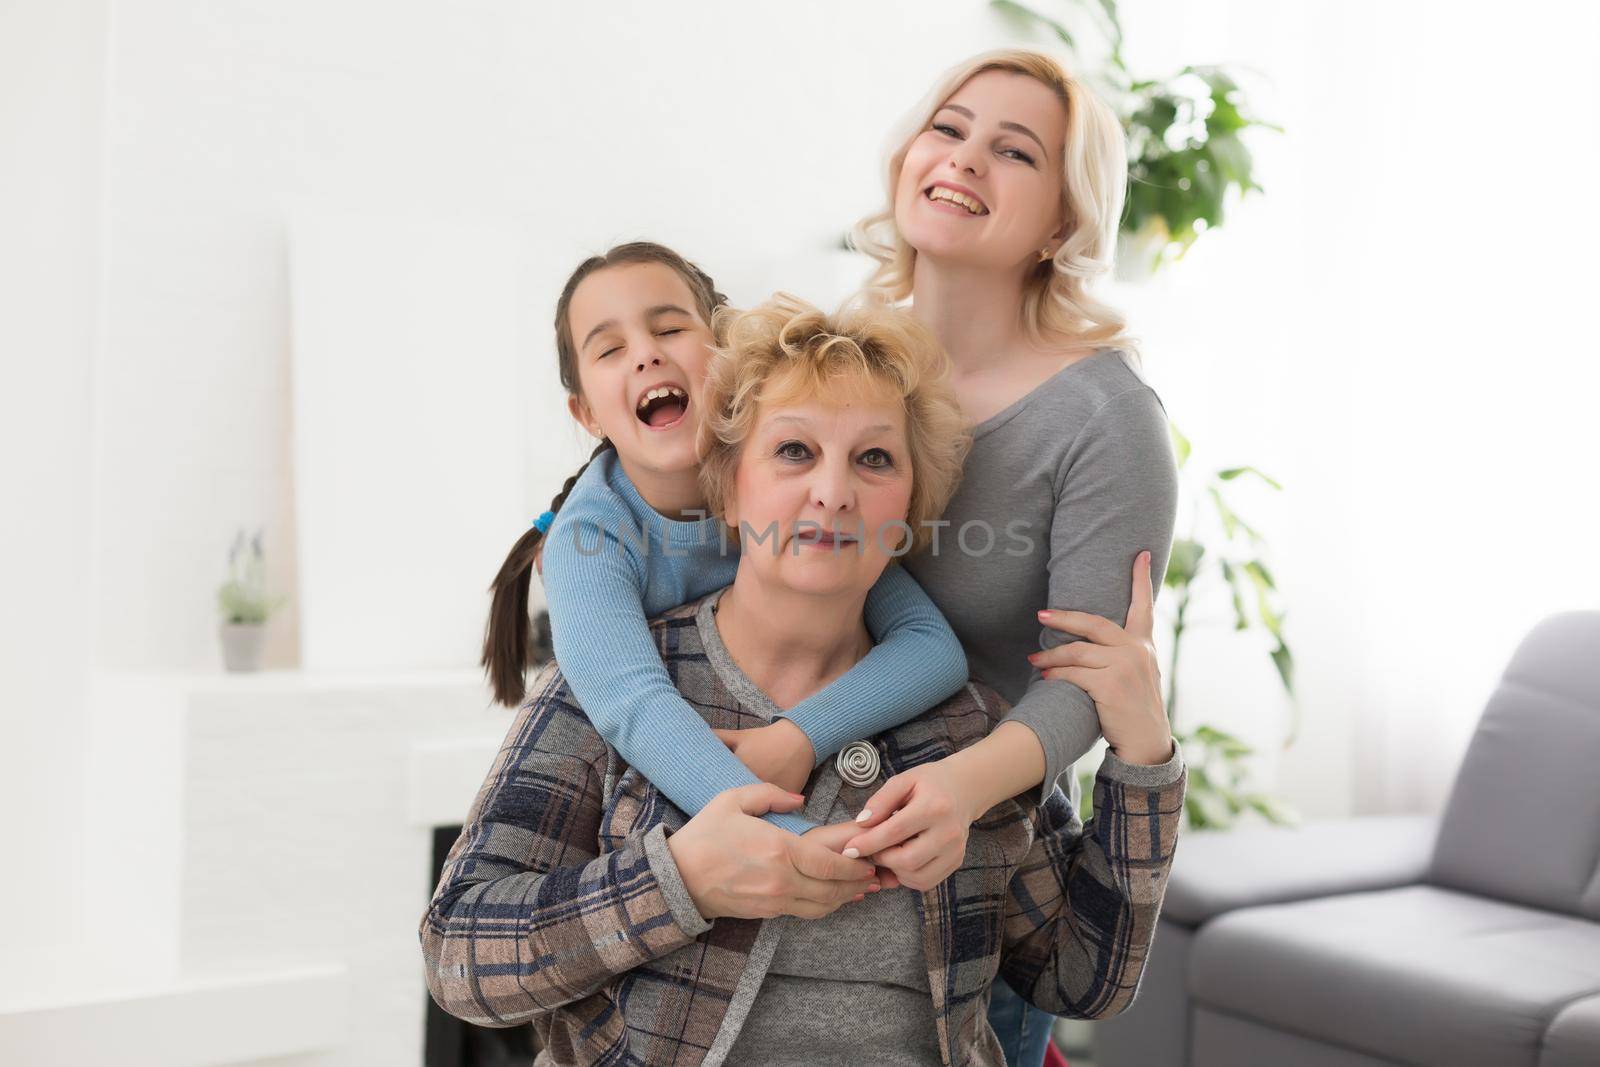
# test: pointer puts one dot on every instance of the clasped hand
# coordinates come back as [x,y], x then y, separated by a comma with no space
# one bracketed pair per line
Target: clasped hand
[914,828]
[733,863]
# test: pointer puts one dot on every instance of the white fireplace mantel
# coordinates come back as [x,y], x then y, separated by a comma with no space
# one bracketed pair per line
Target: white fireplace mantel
[260,840]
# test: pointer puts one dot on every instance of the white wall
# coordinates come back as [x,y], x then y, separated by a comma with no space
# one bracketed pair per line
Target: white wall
[733,131]
[52,70]
[1400,331]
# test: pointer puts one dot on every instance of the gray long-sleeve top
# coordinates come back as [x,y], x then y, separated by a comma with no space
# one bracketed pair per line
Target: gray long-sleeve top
[1061,492]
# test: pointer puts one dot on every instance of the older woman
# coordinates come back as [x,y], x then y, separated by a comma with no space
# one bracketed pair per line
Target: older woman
[578,899]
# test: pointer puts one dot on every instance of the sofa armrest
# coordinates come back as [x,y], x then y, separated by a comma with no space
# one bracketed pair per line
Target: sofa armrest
[1221,871]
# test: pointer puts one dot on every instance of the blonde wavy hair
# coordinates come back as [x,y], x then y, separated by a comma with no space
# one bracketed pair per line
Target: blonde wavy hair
[1056,305]
[788,351]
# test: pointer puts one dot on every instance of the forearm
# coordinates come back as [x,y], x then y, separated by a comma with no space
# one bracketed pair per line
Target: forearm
[1010,760]
[668,742]
[503,951]
[1064,724]
[1014,759]
[1149,751]
[514,925]
[917,662]
[609,658]
[1086,900]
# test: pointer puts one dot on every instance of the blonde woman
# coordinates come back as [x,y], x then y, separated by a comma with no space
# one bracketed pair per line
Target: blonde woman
[579,899]
[1005,190]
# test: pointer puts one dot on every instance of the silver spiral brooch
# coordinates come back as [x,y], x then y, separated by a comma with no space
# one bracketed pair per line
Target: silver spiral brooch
[857,763]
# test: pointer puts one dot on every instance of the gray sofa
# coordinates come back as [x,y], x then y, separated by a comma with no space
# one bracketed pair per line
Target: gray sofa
[1471,939]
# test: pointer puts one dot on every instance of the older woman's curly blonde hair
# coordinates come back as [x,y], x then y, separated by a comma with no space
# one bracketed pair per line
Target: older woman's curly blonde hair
[787,351]
[1056,305]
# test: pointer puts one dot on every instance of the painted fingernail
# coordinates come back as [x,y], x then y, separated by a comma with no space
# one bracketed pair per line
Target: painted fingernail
[874,887]
[858,896]
[866,813]
[1044,614]
[852,853]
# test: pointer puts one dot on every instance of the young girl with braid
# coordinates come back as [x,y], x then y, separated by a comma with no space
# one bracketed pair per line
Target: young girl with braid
[627,538]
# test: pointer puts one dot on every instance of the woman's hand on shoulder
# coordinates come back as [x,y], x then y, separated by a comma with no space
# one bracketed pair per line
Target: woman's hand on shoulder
[735,864]
[1117,666]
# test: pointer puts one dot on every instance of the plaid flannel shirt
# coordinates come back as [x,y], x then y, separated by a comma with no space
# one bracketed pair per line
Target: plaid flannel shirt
[548,910]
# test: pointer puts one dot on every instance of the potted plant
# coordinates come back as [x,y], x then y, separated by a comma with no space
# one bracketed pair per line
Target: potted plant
[1233,564]
[245,605]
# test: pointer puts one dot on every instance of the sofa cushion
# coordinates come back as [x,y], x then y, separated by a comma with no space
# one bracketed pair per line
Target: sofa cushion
[1223,1041]
[1523,820]
[1217,873]
[1417,974]
[1573,1040]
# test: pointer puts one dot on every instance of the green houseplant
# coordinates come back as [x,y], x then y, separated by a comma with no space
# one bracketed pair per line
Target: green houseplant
[1219,554]
[1236,561]
[245,604]
[1185,155]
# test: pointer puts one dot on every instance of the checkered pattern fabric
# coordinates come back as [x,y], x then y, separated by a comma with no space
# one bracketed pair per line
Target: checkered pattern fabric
[548,912]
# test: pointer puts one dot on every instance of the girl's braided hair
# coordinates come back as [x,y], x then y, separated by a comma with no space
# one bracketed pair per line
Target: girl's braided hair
[508,635]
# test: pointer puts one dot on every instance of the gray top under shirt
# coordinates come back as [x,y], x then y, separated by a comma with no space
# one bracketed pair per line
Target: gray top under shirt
[863,969]
[1061,492]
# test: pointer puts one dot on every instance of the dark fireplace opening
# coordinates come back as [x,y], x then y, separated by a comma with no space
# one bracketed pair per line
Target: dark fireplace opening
[450,1042]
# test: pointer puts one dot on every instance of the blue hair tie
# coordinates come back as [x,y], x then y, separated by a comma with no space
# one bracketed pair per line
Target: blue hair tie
[542,523]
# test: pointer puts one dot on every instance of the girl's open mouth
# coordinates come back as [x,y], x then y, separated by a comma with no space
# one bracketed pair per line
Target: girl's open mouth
[663,408]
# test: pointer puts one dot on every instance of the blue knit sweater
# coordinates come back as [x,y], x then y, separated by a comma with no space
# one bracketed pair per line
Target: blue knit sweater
[611,561]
